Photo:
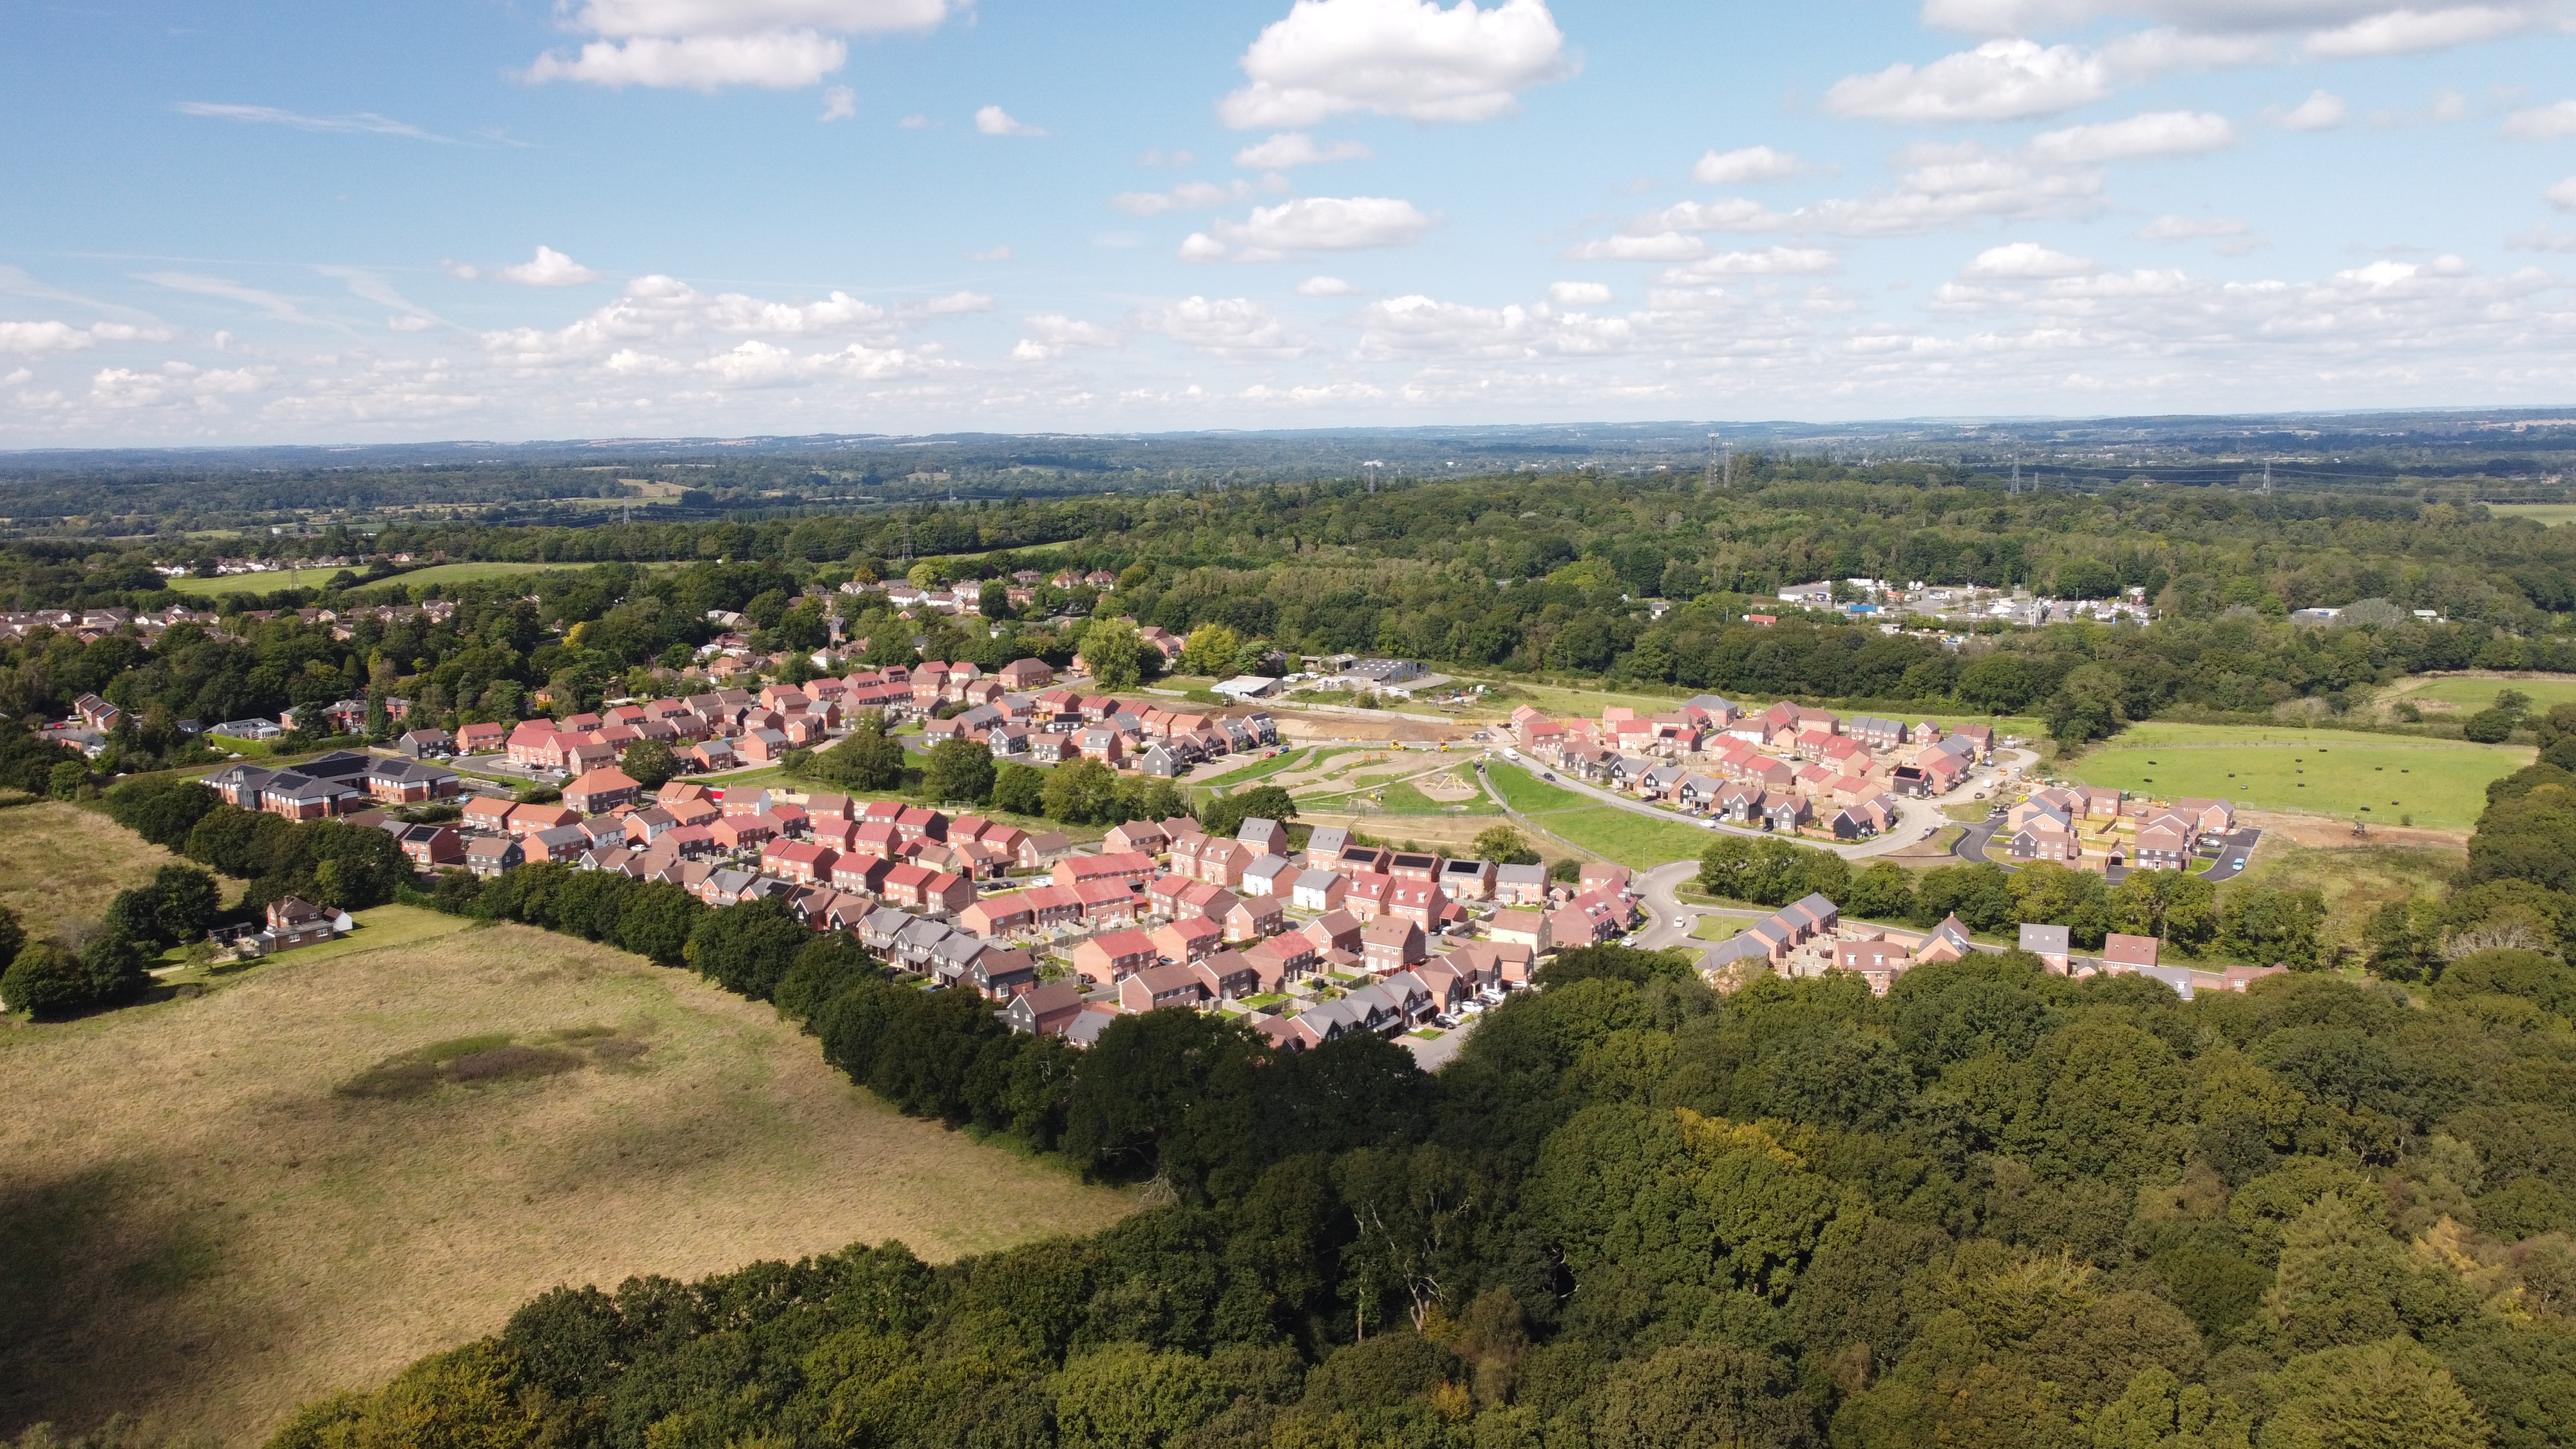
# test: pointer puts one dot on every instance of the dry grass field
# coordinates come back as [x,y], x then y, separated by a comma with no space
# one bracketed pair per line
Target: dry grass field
[60,863]
[221,1206]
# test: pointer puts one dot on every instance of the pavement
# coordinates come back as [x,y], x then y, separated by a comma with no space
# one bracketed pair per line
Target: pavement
[2238,853]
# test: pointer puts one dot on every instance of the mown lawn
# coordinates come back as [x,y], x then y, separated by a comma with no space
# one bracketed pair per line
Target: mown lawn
[2437,783]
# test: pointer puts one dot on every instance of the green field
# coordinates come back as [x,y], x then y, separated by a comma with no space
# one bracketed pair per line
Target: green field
[1636,841]
[2551,514]
[1715,928]
[2362,777]
[1252,773]
[453,573]
[2469,694]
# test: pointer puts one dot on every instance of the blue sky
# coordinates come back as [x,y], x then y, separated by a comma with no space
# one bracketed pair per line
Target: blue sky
[307,222]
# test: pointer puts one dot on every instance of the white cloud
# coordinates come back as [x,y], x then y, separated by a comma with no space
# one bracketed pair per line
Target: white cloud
[1188,196]
[16,376]
[2190,228]
[356,122]
[1406,58]
[917,122]
[950,304]
[173,384]
[2156,133]
[1750,163]
[755,363]
[1052,334]
[2026,260]
[709,44]
[1661,246]
[2148,54]
[548,268]
[1418,325]
[44,337]
[2354,21]
[994,121]
[661,311]
[2542,123]
[990,254]
[1312,223]
[2562,195]
[1952,186]
[775,60]
[2321,111]
[1234,328]
[1296,148]
[1770,262]
[1325,287]
[2405,32]
[840,103]
[2001,80]
[409,322]
[1578,294]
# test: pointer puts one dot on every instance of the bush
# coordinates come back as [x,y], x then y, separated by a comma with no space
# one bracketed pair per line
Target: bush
[45,981]
[2489,726]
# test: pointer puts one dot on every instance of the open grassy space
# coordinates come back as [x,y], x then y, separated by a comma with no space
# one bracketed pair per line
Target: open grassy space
[2354,881]
[416,580]
[59,863]
[1253,772]
[222,1206]
[2550,514]
[1639,842]
[2467,694]
[1715,928]
[2438,783]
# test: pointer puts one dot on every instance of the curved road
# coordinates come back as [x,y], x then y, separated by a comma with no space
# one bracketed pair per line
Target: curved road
[1917,820]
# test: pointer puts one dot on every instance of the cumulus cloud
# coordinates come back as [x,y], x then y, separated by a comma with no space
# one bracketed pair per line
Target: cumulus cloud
[1750,163]
[2321,111]
[1325,287]
[2562,195]
[994,121]
[1769,262]
[548,268]
[1406,58]
[710,44]
[2542,123]
[1234,328]
[24,337]
[2001,80]
[1418,325]
[1296,148]
[778,60]
[2405,32]
[2156,133]
[662,311]
[1578,294]
[754,363]
[1052,334]
[355,122]
[990,254]
[1312,223]
[2147,54]
[1949,186]
[2026,260]
[1188,196]
[840,103]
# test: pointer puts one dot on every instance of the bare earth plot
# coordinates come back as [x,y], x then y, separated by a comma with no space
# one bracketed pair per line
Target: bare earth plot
[221,1207]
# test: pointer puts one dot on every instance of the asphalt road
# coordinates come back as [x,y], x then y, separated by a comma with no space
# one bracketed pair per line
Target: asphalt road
[1917,819]
[2239,852]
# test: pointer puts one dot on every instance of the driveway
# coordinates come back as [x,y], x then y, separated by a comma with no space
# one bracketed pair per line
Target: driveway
[2238,848]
